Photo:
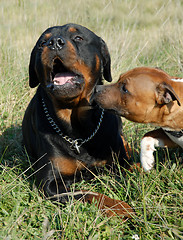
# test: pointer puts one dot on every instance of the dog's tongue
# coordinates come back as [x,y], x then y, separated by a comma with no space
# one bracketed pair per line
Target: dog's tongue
[62,78]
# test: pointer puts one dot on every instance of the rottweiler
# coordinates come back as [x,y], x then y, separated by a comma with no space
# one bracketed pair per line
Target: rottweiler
[66,136]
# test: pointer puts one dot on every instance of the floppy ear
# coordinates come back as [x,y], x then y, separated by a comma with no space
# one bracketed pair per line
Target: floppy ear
[106,61]
[165,94]
[33,80]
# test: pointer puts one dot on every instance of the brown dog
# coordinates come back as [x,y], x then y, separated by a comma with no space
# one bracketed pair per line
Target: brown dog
[148,95]
[66,137]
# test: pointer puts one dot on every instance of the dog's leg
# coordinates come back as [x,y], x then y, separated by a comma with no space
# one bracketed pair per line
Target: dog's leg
[111,207]
[152,139]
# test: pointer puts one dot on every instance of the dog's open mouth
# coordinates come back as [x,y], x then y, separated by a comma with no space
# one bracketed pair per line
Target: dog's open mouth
[61,75]
[64,81]
[63,78]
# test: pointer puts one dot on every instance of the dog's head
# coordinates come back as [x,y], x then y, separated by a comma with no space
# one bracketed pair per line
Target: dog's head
[140,95]
[69,61]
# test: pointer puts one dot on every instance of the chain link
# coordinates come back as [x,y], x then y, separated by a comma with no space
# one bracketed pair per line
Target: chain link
[75,143]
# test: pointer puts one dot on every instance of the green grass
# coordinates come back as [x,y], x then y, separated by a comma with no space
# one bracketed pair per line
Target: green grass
[137,33]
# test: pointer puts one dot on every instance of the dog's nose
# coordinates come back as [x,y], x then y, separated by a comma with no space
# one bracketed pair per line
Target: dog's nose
[99,88]
[60,43]
[56,43]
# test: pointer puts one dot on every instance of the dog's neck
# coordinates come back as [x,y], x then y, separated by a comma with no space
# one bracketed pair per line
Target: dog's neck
[170,115]
[64,114]
[175,119]
[83,119]
[78,112]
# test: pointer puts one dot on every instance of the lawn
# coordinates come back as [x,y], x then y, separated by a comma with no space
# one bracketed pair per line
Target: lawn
[138,33]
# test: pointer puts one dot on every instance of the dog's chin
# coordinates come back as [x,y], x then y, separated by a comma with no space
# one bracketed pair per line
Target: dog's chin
[69,90]
[112,109]
[118,112]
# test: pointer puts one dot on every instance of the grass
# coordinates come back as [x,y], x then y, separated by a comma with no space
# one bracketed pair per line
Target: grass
[137,33]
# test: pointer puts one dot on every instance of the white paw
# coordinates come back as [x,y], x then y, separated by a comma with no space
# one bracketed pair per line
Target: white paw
[146,154]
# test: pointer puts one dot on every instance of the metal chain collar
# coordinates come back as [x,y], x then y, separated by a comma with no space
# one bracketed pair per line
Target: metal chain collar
[75,143]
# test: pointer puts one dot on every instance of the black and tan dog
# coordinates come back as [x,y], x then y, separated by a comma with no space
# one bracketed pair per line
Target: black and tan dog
[64,135]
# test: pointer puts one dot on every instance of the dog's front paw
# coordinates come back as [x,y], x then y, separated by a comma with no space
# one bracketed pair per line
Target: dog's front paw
[146,154]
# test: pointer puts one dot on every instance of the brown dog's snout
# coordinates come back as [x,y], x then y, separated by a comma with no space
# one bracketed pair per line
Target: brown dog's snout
[55,43]
[99,88]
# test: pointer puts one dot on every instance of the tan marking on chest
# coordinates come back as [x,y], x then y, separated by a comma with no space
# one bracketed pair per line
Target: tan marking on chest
[67,166]
[64,114]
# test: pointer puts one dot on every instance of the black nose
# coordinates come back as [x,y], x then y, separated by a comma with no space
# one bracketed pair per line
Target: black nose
[56,43]
[99,88]
[60,43]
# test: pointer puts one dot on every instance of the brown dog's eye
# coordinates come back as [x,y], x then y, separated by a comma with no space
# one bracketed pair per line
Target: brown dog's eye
[123,88]
[78,39]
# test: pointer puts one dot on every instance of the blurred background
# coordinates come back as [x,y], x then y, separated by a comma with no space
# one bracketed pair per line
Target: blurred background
[138,33]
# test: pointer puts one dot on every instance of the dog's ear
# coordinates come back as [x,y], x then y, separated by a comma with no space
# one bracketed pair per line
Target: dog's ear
[106,61]
[166,94]
[33,80]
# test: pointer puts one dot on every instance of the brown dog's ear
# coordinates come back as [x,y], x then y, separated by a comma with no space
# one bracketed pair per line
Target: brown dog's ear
[106,61]
[165,94]
[33,80]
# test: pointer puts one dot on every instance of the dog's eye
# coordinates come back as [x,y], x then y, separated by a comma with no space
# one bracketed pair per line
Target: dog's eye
[42,44]
[123,88]
[78,38]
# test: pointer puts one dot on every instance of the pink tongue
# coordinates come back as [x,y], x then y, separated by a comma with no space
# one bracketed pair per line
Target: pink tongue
[62,78]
